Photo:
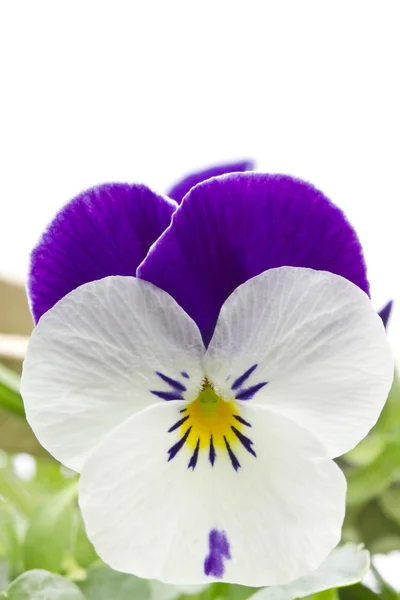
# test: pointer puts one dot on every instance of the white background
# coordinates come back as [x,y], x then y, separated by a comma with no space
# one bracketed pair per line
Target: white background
[144,91]
[96,91]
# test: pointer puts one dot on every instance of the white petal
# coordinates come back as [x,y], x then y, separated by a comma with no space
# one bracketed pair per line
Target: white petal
[93,359]
[317,341]
[344,566]
[280,512]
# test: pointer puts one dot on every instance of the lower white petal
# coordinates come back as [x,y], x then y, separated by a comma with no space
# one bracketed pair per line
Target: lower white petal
[266,519]
[308,344]
[106,350]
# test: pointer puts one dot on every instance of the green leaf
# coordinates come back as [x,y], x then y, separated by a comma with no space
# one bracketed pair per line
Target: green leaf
[102,583]
[15,433]
[376,530]
[10,547]
[14,490]
[41,585]
[50,477]
[4,574]
[388,425]
[357,592]
[17,436]
[166,591]
[390,503]
[368,482]
[331,594]
[83,551]
[229,590]
[366,451]
[350,529]
[50,534]
[10,397]
[344,566]
[386,431]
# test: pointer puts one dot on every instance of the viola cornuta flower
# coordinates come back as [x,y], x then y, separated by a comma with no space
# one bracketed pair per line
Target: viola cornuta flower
[201,365]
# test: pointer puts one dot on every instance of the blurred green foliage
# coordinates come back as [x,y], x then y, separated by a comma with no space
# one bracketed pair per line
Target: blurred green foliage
[45,553]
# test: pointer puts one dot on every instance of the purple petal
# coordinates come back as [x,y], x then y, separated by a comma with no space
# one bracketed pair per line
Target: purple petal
[104,231]
[231,228]
[181,188]
[385,312]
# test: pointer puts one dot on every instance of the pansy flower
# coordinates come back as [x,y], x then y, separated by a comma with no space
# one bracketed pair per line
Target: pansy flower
[201,365]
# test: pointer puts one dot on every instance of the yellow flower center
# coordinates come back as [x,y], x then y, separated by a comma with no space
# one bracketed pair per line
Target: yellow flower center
[210,416]
[212,424]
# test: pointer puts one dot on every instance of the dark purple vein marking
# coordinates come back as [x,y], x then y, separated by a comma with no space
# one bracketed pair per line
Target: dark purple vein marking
[173,451]
[184,374]
[212,454]
[176,385]
[178,424]
[234,460]
[195,455]
[247,443]
[250,392]
[167,395]
[218,551]
[185,409]
[240,380]
[240,419]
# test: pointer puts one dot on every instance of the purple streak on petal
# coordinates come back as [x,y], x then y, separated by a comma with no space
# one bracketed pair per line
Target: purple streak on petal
[212,454]
[232,455]
[241,420]
[181,188]
[245,441]
[385,312]
[218,551]
[240,380]
[173,451]
[174,383]
[106,230]
[184,374]
[249,393]
[178,424]
[167,395]
[231,228]
[193,461]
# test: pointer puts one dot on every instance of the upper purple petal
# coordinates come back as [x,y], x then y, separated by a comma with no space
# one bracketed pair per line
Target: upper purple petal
[106,230]
[182,187]
[231,228]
